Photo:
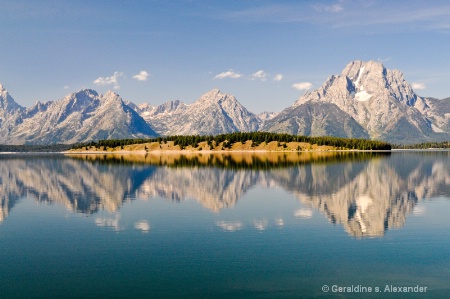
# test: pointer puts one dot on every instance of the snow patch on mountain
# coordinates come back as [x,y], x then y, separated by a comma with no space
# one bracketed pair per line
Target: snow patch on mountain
[436,129]
[361,70]
[362,96]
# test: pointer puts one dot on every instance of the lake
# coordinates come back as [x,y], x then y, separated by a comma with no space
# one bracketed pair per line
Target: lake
[226,225]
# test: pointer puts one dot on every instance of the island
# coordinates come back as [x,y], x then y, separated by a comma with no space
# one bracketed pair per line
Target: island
[240,141]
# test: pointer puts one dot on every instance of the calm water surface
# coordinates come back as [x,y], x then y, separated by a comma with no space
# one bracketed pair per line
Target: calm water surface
[241,225]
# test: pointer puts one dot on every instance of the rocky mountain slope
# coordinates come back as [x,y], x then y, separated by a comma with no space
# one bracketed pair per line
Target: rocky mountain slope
[316,119]
[213,113]
[10,112]
[78,117]
[379,100]
[437,111]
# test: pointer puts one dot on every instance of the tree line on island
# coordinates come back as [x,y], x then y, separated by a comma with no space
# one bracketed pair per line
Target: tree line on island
[425,145]
[257,138]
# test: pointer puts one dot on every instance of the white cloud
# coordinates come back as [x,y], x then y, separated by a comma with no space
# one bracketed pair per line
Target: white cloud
[66,87]
[304,213]
[426,15]
[333,8]
[113,80]
[279,221]
[260,224]
[418,86]
[302,85]
[113,223]
[261,75]
[278,77]
[336,8]
[142,76]
[143,226]
[228,74]
[384,60]
[419,210]
[230,226]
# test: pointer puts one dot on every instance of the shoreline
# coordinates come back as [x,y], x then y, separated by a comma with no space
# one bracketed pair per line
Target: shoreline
[211,151]
[178,152]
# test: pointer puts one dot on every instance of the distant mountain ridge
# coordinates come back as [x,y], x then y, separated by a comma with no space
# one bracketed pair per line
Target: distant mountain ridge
[213,113]
[365,101]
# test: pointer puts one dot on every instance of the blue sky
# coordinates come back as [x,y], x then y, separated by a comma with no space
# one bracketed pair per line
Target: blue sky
[266,53]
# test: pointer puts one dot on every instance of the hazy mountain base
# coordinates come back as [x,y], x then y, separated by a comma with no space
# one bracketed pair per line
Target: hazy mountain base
[316,119]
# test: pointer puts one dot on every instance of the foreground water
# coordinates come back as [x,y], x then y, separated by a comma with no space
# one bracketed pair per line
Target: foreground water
[240,225]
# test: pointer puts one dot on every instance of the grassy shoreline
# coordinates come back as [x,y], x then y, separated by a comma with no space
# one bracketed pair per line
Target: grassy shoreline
[247,141]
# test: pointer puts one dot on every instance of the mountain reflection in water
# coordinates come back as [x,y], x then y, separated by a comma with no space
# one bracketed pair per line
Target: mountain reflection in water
[366,193]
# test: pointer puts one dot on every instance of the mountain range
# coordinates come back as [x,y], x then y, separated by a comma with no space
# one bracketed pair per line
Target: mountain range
[365,101]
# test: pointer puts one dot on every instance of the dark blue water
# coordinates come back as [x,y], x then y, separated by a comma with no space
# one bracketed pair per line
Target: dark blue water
[133,227]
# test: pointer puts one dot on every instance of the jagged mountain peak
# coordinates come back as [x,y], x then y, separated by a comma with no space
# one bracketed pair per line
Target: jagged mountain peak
[7,103]
[81,95]
[356,67]
[364,82]
[375,68]
[78,117]
[266,115]
[36,108]
[3,92]
[215,99]
[212,96]
[143,106]
[371,80]
[111,98]
[371,69]
[110,95]
[381,101]
[213,113]
[90,93]
[78,101]
[214,91]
